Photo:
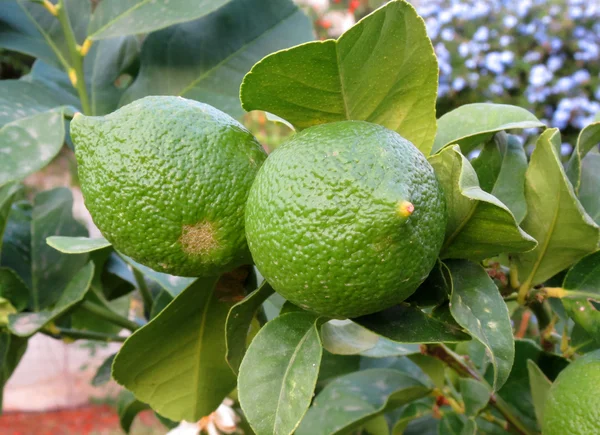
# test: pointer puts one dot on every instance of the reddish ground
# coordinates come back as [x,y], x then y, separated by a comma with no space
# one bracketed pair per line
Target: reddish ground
[93,419]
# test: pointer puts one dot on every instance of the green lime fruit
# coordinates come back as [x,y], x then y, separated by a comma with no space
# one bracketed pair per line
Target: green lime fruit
[573,403]
[345,219]
[166,181]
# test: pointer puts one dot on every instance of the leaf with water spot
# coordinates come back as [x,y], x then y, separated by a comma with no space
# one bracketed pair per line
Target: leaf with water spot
[350,401]
[382,70]
[479,226]
[555,217]
[27,324]
[176,362]
[279,372]
[476,305]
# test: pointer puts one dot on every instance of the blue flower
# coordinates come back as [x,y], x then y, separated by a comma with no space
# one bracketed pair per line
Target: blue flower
[482,34]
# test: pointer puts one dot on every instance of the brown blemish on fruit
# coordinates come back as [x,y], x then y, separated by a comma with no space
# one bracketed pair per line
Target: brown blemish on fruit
[198,239]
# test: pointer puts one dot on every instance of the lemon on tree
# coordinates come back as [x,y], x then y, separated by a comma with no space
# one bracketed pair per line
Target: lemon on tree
[166,180]
[573,403]
[345,219]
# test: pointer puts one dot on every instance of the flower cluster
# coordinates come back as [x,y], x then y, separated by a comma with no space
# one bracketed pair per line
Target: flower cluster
[539,54]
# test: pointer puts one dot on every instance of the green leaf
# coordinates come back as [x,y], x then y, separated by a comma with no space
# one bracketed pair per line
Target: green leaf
[29,144]
[477,306]
[128,407]
[587,139]
[376,426]
[405,323]
[279,372]
[475,395]
[434,290]
[501,167]
[238,323]
[350,401]
[456,424]
[410,412]
[473,124]
[590,185]
[388,348]
[176,362]
[103,375]
[173,284]
[129,17]
[334,366]
[540,386]
[206,59]
[583,290]
[160,302]
[51,270]
[77,245]
[479,226]
[27,324]
[29,28]
[8,194]
[432,367]
[13,288]
[344,337]
[16,243]
[382,70]
[12,349]
[55,80]
[516,391]
[564,231]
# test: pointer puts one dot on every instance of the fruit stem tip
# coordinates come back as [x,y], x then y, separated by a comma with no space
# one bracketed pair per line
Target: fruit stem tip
[405,208]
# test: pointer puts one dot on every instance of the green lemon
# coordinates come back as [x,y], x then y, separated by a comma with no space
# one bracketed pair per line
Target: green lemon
[166,181]
[345,219]
[573,403]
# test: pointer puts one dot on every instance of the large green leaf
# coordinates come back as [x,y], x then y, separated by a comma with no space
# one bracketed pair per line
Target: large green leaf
[27,324]
[279,373]
[540,386]
[8,194]
[176,363]
[12,349]
[405,323]
[476,305]
[206,59]
[474,124]
[350,401]
[129,17]
[590,186]
[564,231]
[587,139]
[583,297]
[238,324]
[382,70]
[516,391]
[28,27]
[479,226]
[501,167]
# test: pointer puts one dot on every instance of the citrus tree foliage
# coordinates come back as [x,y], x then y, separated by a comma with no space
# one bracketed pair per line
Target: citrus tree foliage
[463,354]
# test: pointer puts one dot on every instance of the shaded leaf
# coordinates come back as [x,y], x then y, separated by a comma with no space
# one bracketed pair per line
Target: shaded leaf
[29,28]
[590,185]
[456,424]
[334,366]
[564,231]
[479,226]
[432,367]
[77,245]
[540,386]
[382,70]
[103,374]
[55,80]
[475,395]
[129,17]
[8,194]
[238,323]
[173,284]
[160,302]
[408,324]
[473,124]
[516,391]
[206,59]
[434,290]
[128,407]
[583,285]
[410,412]
[27,324]
[386,348]
[176,362]
[351,400]
[279,372]
[477,306]
[12,349]
[16,243]
[13,288]
[344,337]
[587,139]
[501,168]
